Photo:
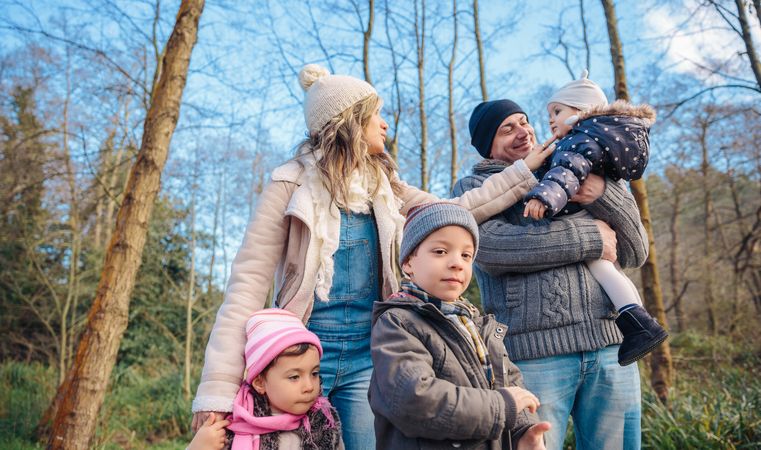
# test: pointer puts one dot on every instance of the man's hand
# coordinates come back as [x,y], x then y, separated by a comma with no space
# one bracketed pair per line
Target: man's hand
[201,416]
[591,189]
[537,155]
[533,438]
[534,209]
[609,241]
[524,399]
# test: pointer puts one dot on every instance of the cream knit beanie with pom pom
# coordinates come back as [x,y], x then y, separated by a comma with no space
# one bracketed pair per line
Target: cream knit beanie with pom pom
[329,95]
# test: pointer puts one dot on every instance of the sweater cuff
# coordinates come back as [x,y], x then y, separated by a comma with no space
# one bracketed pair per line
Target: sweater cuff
[590,239]
[212,403]
[511,413]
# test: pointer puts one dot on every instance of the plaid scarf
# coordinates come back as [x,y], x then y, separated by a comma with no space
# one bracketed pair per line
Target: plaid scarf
[461,313]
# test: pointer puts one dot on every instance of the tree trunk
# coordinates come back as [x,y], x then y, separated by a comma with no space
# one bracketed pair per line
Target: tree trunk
[708,297]
[480,48]
[81,395]
[742,16]
[452,126]
[191,289]
[366,36]
[676,278]
[660,360]
[392,142]
[420,41]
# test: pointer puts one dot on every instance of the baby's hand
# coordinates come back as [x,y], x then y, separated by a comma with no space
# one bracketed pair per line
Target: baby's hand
[211,435]
[524,399]
[534,209]
[538,154]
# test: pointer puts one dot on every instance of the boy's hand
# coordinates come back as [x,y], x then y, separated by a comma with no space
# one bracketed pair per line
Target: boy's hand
[524,399]
[534,209]
[538,154]
[200,417]
[533,438]
[211,435]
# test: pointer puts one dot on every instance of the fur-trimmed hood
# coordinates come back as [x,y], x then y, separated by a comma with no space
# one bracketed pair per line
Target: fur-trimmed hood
[621,108]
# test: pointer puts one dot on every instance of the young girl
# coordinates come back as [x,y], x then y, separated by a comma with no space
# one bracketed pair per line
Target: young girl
[610,140]
[327,226]
[279,406]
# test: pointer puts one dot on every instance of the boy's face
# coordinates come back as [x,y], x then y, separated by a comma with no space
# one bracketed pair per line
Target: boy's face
[559,113]
[292,384]
[442,264]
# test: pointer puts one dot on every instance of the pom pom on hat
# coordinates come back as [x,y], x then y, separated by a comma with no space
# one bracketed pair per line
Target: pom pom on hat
[329,95]
[268,333]
[581,94]
[311,73]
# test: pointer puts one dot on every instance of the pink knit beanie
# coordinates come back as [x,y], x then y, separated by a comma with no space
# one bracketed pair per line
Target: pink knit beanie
[268,333]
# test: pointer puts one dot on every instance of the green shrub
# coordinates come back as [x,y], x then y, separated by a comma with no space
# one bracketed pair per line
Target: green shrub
[25,392]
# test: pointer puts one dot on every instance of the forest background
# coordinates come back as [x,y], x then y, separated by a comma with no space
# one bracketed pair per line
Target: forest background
[78,78]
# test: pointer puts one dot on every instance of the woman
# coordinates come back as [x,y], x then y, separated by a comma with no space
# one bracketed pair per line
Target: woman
[328,226]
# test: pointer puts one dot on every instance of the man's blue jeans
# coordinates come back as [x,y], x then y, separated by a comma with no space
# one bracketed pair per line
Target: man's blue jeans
[603,398]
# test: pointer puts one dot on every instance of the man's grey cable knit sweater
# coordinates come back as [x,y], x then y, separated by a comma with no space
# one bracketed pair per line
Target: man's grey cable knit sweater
[533,278]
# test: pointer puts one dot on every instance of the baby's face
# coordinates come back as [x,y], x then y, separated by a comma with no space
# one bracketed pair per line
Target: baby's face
[559,113]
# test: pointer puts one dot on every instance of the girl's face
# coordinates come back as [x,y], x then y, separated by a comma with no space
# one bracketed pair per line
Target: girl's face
[559,113]
[292,384]
[375,133]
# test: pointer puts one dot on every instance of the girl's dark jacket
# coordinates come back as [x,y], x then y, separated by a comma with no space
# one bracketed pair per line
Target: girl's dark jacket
[428,389]
[610,140]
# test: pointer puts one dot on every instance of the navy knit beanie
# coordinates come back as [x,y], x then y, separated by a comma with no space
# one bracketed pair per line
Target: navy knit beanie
[422,220]
[485,120]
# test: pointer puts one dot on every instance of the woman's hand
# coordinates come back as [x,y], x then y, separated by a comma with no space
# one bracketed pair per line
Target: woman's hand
[201,416]
[211,435]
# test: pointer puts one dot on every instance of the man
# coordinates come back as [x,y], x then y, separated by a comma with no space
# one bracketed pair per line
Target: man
[532,276]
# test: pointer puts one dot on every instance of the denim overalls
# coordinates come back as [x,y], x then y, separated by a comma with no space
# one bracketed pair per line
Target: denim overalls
[343,326]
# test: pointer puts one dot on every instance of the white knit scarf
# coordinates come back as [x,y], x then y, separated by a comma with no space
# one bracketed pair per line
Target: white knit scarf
[360,201]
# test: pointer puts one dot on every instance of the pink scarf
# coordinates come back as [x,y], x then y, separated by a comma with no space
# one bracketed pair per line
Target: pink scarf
[248,428]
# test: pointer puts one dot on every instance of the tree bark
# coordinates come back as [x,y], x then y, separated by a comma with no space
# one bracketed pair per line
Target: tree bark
[81,395]
[480,48]
[452,126]
[676,278]
[420,43]
[742,16]
[708,297]
[660,360]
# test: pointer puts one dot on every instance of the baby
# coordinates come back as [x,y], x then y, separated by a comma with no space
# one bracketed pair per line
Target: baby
[611,141]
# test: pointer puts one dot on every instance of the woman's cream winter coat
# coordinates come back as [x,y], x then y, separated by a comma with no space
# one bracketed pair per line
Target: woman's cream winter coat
[278,245]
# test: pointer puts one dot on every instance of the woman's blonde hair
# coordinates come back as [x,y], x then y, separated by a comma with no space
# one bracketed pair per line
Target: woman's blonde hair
[343,149]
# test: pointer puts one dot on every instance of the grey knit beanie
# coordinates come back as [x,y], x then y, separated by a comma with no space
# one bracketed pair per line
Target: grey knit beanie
[581,94]
[329,95]
[424,219]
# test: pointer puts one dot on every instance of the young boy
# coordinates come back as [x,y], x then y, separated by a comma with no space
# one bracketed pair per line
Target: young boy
[441,376]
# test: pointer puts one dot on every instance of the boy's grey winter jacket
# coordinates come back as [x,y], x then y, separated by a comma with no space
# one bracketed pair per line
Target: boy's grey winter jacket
[532,274]
[428,389]
[610,140]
